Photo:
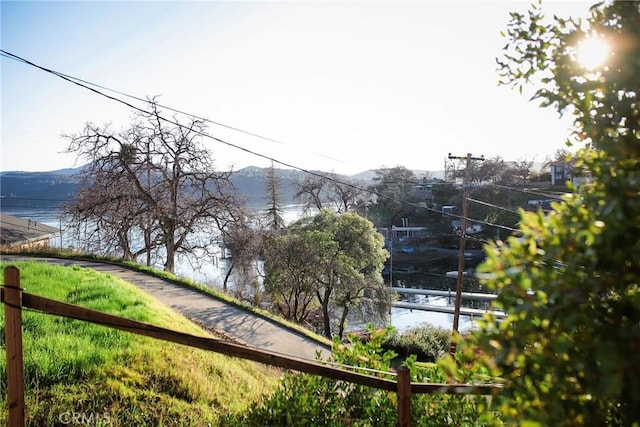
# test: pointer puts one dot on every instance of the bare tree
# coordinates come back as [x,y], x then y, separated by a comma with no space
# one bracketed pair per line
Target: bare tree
[489,170]
[105,212]
[176,199]
[245,237]
[561,155]
[345,193]
[310,192]
[520,171]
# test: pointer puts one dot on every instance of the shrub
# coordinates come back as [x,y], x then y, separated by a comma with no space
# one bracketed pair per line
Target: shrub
[569,347]
[309,400]
[427,342]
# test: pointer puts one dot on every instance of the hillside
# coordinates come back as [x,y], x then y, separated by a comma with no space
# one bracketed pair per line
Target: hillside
[57,186]
[72,366]
[49,189]
[37,185]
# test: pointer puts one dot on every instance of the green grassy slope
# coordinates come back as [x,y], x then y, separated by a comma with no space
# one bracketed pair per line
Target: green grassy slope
[118,378]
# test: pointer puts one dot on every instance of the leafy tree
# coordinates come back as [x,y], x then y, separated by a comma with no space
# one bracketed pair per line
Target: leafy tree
[338,257]
[174,197]
[274,218]
[293,263]
[398,194]
[570,346]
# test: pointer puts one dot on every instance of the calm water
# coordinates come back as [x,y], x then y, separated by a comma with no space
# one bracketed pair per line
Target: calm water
[212,273]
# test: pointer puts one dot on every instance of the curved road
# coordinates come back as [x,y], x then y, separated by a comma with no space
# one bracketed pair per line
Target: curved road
[242,326]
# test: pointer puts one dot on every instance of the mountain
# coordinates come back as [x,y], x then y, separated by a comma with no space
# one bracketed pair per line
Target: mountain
[52,186]
[251,184]
[58,186]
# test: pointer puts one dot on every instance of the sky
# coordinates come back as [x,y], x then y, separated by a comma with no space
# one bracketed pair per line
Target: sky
[329,85]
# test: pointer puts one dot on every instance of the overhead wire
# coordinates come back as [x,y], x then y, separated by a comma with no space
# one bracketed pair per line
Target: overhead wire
[328,177]
[201,133]
[480,202]
[87,84]
[554,196]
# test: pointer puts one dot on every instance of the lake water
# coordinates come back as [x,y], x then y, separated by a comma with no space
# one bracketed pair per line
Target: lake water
[211,274]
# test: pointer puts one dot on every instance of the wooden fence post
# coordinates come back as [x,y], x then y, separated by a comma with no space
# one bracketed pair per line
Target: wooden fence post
[404,397]
[13,333]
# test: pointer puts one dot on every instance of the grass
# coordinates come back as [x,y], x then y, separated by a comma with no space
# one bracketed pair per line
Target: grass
[125,379]
[69,254]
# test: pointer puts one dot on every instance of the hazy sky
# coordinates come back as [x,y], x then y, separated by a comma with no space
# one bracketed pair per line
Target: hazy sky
[343,86]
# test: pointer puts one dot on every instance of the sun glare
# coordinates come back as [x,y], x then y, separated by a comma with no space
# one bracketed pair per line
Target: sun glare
[592,52]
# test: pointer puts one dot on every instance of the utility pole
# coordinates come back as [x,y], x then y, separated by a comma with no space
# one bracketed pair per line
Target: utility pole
[463,236]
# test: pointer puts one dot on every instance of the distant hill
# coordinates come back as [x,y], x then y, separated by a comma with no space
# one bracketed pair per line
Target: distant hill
[61,185]
[250,183]
[38,185]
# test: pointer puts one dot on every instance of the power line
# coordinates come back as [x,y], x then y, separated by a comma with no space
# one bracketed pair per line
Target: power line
[326,177]
[86,84]
[480,202]
[204,134]
[526,191]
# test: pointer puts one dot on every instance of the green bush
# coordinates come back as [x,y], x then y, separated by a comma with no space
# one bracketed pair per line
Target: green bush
[309,400]
[569,347]
[427,342]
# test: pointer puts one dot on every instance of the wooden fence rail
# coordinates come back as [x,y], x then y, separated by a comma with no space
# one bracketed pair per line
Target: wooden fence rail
[14,299]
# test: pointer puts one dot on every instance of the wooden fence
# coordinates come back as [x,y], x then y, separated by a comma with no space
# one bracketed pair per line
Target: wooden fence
[14,299]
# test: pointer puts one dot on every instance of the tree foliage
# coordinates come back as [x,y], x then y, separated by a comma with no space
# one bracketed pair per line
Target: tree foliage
[338,259]
[293,263]
[155,180]
[570,346]
[309,400]
[398,193]
[273,214]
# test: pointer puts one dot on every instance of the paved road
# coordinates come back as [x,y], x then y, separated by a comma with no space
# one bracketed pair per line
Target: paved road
[244,327]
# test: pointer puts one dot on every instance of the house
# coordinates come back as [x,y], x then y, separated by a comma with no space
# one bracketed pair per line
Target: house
[404,234]
[20,233]
[561,172]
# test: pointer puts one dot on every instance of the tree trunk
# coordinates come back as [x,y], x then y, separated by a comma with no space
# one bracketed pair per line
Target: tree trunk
[324,302]
[169,264]
[326,320]
[226,276]
[147,245]
[343,321]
